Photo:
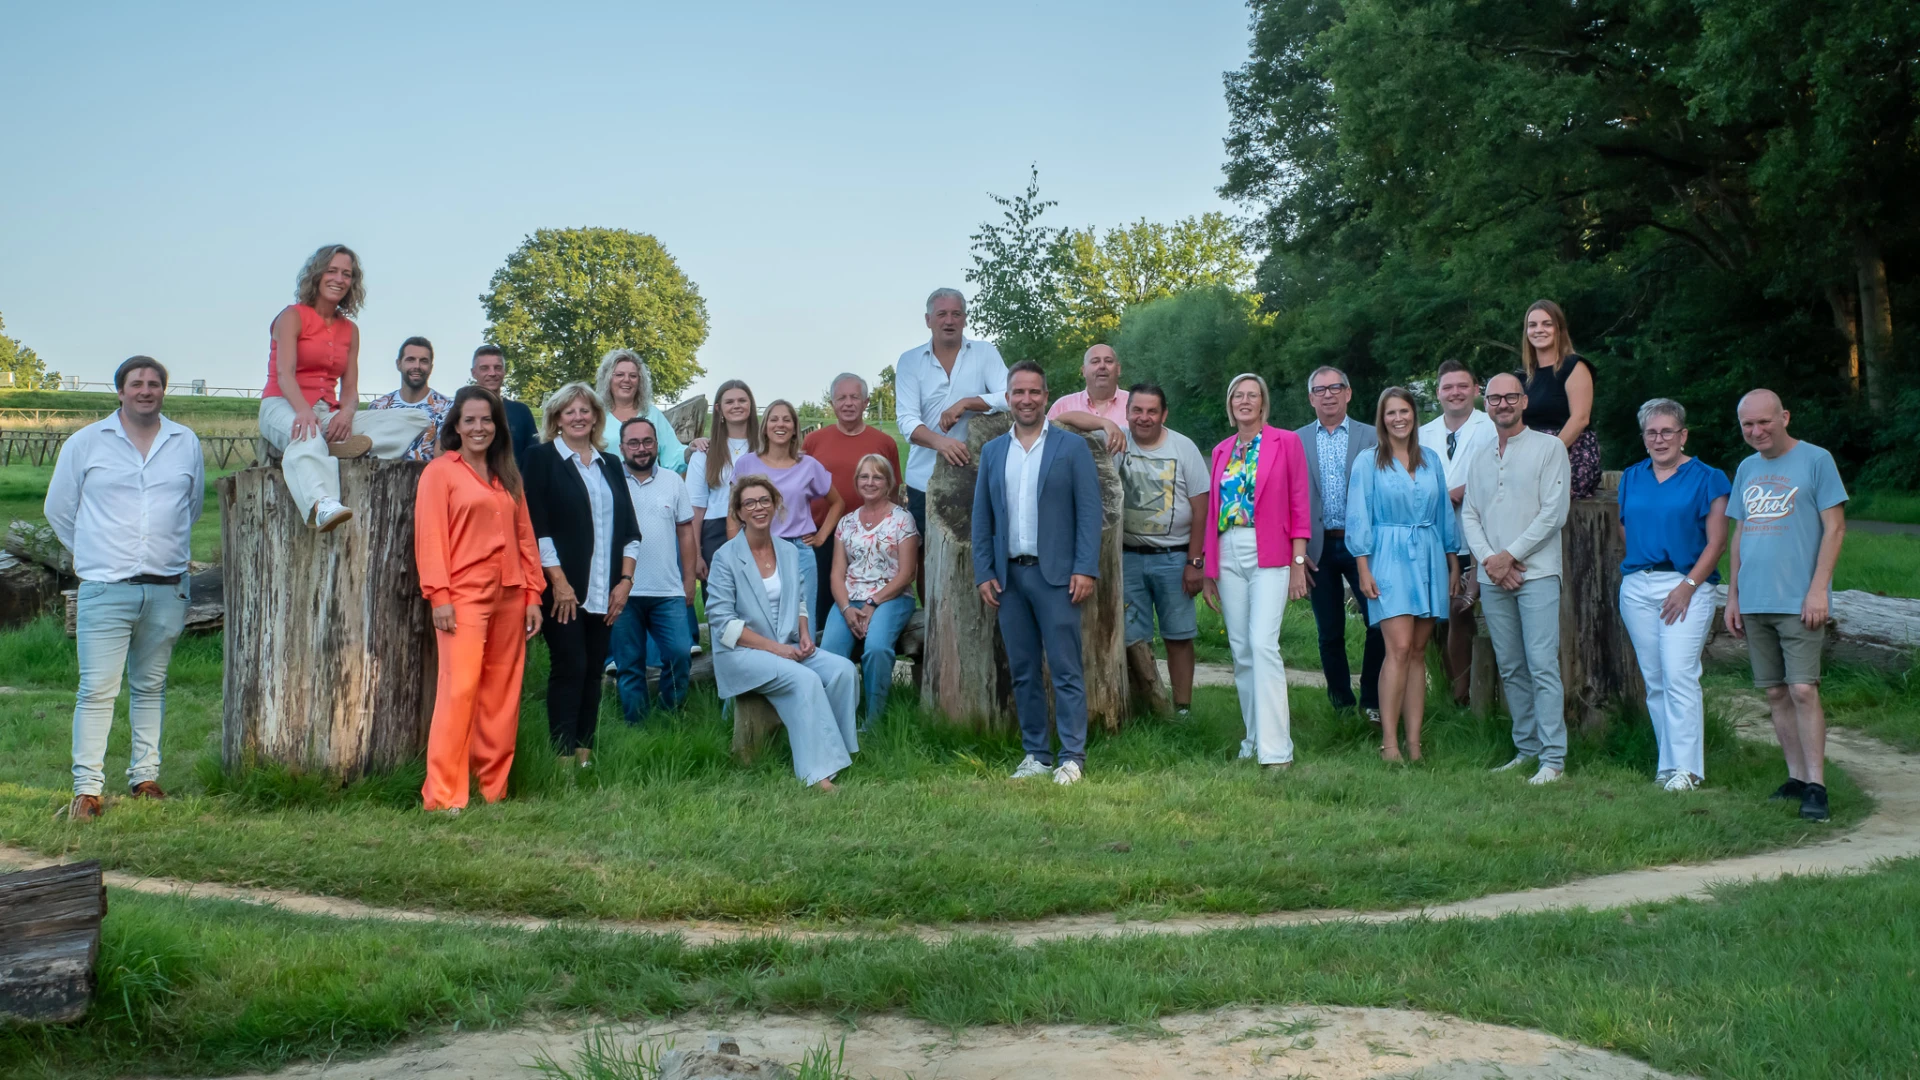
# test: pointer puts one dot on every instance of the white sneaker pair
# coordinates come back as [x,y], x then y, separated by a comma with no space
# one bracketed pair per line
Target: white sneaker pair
[1030,767]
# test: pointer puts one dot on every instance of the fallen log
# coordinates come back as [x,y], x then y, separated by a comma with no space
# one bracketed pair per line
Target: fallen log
[1866,628]
[49,940]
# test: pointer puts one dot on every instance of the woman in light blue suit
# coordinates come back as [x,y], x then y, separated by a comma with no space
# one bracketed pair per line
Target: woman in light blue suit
[761,643]
[1400,532]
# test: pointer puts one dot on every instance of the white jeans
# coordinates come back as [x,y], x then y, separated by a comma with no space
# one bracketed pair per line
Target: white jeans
[311,473]
[1670,662]
[1252,600]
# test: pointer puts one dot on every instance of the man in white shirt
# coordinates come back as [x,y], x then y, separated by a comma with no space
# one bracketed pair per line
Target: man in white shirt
[662,592]
[936,387]
[1514,509]
[415,364]
[124,496]
[1102,406]
[1453,437]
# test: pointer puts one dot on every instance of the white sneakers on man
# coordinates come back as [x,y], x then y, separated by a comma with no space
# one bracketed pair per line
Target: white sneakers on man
[329,514]
[1518,760]
[1030,768]
[1682,781]
[1067,773]
[1547,775]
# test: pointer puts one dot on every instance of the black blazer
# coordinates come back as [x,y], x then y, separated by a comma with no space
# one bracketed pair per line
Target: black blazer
[557,504]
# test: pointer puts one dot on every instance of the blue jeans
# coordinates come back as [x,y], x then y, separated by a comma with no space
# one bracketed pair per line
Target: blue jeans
[661,621]
[693,638]
[119,629]
[1156,583]
[876,665]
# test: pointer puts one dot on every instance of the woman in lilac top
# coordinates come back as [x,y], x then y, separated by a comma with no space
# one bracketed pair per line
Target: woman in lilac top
[800,479]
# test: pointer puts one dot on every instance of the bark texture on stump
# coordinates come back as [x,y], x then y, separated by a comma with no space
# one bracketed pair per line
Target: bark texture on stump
[330,655]
[49,940]
[1597,664]
[965,667]
[754,722]
[1143,681]
[686,417]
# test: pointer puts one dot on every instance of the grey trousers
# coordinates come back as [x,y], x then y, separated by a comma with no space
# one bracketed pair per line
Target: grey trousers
[1525,628]
[1036,616]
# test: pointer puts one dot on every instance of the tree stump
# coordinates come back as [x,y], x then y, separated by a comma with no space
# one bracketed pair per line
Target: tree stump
[686,417]
[1143,681]
[49,939]
[330,655]
[965,668]
[754,723]
[1597,663]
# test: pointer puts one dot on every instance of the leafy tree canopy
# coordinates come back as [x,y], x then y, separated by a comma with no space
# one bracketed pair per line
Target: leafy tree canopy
[567,296]
[29,371]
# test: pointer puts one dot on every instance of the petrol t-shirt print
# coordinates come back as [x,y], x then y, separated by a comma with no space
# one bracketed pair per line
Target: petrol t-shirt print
[1769,501]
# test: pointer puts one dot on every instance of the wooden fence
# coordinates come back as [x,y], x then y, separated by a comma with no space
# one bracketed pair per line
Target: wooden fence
[43,447]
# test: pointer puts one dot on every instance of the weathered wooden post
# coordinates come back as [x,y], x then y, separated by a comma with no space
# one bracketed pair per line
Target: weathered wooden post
[966,677]
[330,656]
[49,940]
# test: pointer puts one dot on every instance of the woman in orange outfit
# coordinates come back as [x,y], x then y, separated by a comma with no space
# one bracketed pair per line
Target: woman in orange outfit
[480,569]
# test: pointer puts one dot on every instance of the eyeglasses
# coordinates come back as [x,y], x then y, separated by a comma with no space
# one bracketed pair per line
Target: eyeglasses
[1327,390]
[761,503]
[1661,434]
[1504,399]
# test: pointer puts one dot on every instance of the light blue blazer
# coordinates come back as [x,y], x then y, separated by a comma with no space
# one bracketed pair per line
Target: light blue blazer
[737,601]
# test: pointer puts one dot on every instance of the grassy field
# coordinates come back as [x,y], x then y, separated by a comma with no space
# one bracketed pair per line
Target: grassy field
[1897,506]
[1803,979]
[927,830]
[1883,704]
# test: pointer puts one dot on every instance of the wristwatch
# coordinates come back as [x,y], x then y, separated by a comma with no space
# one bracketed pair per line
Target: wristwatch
[1691,582]
[1197,564]
[1299,560]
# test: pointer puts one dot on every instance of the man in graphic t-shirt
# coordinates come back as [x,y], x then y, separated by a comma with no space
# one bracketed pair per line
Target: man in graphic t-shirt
[1165,480]
[1789,517]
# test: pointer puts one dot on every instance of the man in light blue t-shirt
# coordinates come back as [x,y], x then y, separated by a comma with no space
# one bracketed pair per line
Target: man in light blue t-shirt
[1789,517]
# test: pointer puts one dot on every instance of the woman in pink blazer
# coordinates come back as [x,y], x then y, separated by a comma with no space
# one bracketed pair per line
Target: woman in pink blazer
[1257,531]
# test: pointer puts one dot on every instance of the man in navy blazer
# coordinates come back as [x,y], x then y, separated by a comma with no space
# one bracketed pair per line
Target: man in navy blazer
[1332,442]
[1036,553]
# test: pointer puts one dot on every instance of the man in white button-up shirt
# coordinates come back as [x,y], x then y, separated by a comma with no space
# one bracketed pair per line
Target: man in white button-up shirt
[1454,437]
[125,494]
[936,387]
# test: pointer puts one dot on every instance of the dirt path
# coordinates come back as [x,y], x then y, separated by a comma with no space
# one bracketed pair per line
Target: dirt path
[1892,831]
[1326,1044]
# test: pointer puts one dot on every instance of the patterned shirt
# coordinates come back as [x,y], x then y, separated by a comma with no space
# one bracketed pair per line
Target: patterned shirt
[1236,486]
[435,405]
[873,555]
[1332,448]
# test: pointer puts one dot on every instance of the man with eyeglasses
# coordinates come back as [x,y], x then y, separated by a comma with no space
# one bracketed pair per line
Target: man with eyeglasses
[1453,437]
[1332,442]
[1514,509]
[662,578]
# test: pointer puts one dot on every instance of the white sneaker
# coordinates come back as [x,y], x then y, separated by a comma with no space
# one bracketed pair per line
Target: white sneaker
[1246,749]
[1547,775]
[697,650]
[1518,760]
[329,514]
[1660,778]
[613,668]
[1682,781]
[1068,773]
[1029,768]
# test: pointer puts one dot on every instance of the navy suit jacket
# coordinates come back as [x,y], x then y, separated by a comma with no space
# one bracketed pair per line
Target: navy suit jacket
[1068,537]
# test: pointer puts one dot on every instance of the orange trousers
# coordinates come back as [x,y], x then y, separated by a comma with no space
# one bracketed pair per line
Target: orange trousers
[476,708]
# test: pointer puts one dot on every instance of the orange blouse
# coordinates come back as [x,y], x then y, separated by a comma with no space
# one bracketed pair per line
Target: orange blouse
[461,524]
[320,361]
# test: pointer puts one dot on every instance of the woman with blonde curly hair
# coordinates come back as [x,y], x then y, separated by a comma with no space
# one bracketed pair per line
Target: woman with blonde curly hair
[626,389]
[313,363]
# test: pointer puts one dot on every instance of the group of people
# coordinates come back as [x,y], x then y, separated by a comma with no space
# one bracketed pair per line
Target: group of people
[528,525]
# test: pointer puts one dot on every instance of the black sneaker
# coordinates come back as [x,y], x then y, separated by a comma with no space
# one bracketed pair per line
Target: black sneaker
[1792,789]
[1813,804]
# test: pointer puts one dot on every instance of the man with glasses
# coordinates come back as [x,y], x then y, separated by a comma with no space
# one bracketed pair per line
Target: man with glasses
[662,577]
[1453,437]
[1332,442]
[1514,509]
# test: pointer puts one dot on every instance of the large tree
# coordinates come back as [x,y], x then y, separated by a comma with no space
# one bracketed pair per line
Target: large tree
[29,371]
[567,296]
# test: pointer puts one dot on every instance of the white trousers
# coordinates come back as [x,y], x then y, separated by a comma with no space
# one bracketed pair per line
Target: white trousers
[311,473]
[1253,598]
[1670,662]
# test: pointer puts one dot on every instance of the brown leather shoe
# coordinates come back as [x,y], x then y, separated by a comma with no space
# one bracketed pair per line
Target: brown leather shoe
[83,808]
[352,446]
[147,789]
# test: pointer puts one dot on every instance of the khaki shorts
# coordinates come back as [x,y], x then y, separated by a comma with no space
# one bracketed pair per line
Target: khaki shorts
[1782,650]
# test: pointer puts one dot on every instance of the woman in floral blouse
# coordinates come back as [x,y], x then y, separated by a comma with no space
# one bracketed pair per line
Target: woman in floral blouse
[875,551]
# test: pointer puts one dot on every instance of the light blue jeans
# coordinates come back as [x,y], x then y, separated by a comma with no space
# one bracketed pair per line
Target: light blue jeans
[120,629]
[876,663]
[1525,628]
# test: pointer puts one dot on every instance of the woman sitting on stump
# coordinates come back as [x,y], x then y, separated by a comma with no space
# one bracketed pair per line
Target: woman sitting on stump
[480,569]
[761,643]
[312,364]
[876,550]
[583,516]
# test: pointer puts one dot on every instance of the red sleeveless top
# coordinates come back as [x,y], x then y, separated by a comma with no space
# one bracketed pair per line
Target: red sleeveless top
[320,358]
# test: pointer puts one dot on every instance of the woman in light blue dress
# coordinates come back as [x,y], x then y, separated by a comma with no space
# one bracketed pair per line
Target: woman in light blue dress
[1400,531]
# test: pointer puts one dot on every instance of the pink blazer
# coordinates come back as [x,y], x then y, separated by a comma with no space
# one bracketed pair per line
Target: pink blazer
[1280,497]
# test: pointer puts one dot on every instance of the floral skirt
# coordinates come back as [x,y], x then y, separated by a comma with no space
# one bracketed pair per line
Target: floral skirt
[1584,459]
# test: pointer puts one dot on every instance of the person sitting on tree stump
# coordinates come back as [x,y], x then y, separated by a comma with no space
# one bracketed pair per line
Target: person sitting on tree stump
[312,364]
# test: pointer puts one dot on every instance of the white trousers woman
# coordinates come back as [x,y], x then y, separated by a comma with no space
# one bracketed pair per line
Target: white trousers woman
[313,474]
[1670,662]
[1252,600]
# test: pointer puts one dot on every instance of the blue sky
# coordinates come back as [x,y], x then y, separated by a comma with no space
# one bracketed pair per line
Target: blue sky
[815,169]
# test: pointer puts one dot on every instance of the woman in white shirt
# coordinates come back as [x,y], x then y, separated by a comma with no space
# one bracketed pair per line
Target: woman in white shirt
[710,465]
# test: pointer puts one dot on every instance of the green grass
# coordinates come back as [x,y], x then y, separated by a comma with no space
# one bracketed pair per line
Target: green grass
[927,830]
[1896,506]
[181,405]
[23,496]
[1884,563]
[1803,978]
[1883,704]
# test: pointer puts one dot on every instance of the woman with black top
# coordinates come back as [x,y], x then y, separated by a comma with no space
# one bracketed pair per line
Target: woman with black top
[1560,393]
[583,518]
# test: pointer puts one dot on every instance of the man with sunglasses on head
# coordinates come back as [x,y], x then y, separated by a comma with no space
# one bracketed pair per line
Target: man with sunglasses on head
[1332,442]
[1453,438]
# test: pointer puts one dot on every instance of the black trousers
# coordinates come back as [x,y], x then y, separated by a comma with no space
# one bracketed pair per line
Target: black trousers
[1337,568]
[577,654]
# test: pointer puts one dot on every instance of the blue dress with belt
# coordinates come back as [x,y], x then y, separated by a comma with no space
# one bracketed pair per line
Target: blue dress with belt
[1403,524]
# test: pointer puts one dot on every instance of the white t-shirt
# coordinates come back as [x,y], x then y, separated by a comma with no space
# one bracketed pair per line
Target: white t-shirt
[1159,484]
[660,504]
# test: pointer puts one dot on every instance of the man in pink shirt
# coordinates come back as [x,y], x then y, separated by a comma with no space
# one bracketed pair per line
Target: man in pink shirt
[1102,406]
